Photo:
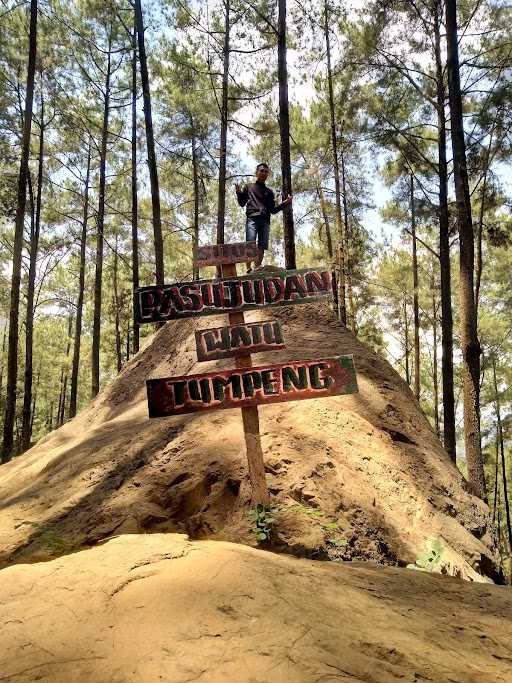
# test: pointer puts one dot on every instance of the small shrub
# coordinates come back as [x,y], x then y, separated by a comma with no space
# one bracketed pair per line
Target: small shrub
[431,558]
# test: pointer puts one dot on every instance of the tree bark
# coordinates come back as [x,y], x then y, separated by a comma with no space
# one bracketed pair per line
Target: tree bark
[434,352]
[284,129]
[12,354]
[351,315]
[479,266]
[34,403]
[328,238]
[195,177]
[95,387]
[135,201]
[470,344]
[406,334]
[499,436]
[150,140]
[29,316]
[119,355]
[416,307]
[64,376]
[449,436]
[221,201]
[73,394]
[4,337]
[342,305]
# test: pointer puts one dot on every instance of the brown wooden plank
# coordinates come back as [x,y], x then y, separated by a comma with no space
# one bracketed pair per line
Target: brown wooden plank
[231,294]
[250,386]
[224,254]
[238,340]
[250,421]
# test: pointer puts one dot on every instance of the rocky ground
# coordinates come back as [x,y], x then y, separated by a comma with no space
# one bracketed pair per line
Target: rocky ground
[160,607]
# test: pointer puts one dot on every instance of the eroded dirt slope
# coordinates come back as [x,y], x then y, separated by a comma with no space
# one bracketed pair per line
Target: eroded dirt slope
[358,477]
[162,608]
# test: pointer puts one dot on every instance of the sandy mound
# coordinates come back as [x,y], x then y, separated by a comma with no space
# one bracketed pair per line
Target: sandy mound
[162,608]
[358,477]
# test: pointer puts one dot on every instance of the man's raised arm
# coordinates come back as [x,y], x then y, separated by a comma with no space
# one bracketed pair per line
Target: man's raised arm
[282,205]
[242,194]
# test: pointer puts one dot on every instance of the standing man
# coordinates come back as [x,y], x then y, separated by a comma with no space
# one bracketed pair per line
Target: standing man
[260,203]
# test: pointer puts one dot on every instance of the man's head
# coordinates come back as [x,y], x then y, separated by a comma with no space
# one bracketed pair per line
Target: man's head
[262,171]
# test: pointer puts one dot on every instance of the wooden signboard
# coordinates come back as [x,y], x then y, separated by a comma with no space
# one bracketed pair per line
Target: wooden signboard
[221,254]
[227,295]
[251,386]
[238,340]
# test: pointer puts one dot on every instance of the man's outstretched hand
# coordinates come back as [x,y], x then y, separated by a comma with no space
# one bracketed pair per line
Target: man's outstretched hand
[288,200]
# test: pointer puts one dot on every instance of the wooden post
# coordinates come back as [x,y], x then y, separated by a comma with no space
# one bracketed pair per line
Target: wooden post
[250,419]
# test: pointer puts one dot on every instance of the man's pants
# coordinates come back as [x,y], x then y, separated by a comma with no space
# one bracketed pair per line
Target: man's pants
[257,228]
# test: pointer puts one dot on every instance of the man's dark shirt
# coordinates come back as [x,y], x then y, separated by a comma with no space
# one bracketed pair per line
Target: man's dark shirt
[259,200]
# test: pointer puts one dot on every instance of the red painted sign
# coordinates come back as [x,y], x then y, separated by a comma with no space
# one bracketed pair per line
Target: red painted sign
[223,254]
[238,340]
[243,387]
[211,297]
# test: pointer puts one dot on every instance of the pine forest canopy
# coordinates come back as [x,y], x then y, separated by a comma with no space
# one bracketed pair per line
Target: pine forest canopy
[125,126]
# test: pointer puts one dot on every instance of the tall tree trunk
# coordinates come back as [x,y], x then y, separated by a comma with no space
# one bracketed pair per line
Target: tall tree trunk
[434,352]
[195,177]
[479,266]
[95,386]
[415,285]
[449,436]
[325,218]
[64,376]
[12,355]
[406,334]
[221,201]
[29,317]
[34,403]
[284,129]
[496,480]
[73,394]
[328,238]
[499,436]
[49,421]
[150,140]
[342,305]
[470,344]
[351,317]
[115,285]
[135,201]
[4,337]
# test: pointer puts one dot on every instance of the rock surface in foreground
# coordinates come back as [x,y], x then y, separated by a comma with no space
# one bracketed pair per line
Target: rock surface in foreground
[162,608]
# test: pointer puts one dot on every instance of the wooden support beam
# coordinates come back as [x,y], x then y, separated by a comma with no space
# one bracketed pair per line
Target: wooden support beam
[251,420]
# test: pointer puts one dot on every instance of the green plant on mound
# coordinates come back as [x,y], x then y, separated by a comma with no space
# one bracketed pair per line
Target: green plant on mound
[262,517]
[47,538]
[430,560]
